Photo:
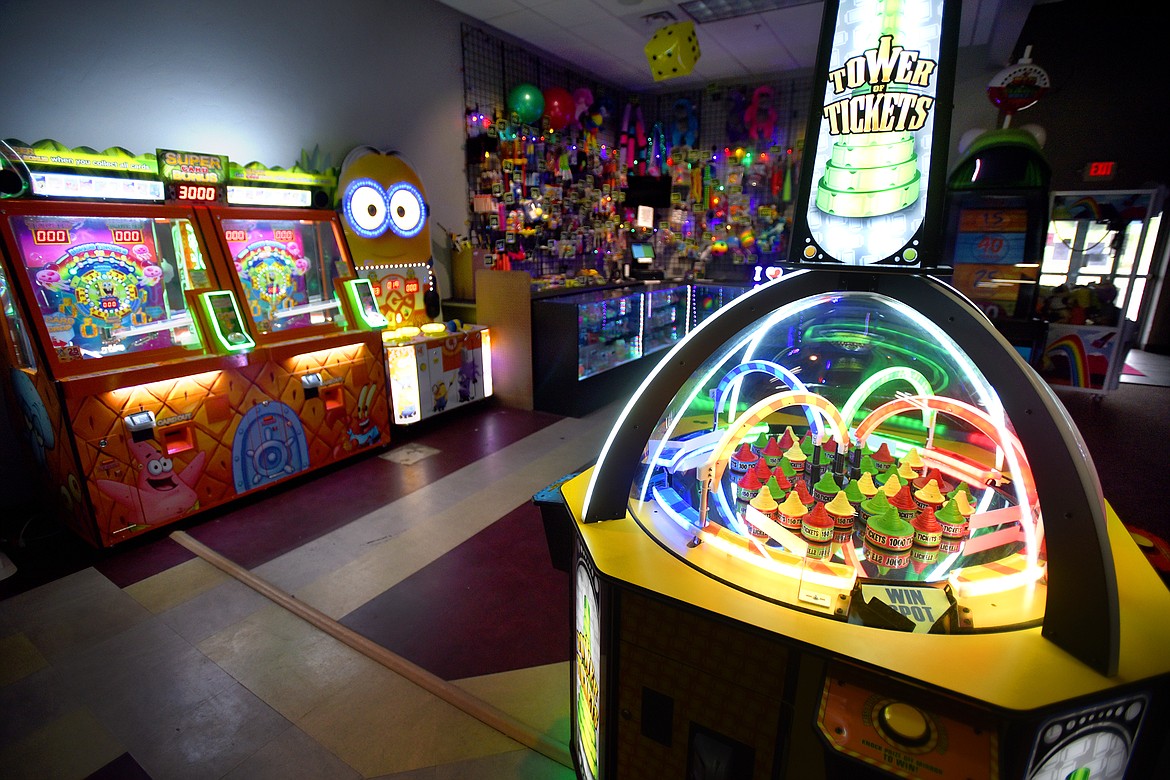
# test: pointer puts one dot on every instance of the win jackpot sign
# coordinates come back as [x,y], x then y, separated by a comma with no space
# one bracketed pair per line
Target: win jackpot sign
[882,108]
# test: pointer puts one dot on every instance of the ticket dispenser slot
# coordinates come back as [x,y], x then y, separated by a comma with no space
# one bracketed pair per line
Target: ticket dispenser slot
[333,396]
[177,438]
[311,385]
[140,425]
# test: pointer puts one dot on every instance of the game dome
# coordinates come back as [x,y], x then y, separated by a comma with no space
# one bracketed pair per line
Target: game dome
[851,447]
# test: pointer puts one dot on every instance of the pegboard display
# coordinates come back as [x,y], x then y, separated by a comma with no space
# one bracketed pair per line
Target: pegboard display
[557,163]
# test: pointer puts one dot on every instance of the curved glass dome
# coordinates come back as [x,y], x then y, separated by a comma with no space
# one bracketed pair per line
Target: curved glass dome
[842,455]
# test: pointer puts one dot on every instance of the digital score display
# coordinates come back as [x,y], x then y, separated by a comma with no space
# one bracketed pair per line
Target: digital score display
[124,236]
[50,236]
[196,193]
[59,236]
[994,236]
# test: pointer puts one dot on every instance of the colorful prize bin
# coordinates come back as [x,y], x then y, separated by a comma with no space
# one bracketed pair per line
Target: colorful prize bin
[982,614]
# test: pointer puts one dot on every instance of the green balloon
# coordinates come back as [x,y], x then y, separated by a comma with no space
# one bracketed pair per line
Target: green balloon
[527,102]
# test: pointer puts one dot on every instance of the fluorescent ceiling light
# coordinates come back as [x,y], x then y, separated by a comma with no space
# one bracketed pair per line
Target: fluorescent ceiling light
[703,11]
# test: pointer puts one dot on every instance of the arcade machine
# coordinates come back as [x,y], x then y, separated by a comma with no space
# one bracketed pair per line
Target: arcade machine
[997,221]
[131,400]
[1100,255]
[433,367]
[323,380]
[842,529]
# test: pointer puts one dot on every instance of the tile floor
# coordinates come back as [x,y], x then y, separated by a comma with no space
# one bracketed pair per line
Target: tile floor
[1152,368]
[153,663]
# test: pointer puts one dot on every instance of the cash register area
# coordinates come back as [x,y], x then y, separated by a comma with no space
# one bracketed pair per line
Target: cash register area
[397,616]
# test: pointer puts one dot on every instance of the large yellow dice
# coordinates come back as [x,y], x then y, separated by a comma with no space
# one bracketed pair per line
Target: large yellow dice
[673,51]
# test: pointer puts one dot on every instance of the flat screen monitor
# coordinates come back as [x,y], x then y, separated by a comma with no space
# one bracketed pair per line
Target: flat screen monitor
[643,254]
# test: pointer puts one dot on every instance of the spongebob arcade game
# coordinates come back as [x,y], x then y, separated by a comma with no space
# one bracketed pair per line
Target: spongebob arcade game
[842,530]
[134,368]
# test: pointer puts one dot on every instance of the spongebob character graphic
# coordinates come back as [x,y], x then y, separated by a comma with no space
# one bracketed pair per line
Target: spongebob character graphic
[384,217]
[162,493]
[362,430]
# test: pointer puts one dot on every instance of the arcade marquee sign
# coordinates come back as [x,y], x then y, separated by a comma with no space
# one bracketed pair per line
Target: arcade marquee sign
[872,133]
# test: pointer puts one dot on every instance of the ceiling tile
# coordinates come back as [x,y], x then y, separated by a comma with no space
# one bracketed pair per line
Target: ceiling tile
[607,37]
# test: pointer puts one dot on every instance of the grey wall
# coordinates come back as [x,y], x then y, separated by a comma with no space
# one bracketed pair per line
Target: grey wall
[262,80]
[256,80]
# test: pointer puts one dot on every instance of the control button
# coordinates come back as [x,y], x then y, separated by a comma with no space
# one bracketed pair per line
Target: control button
[905,723]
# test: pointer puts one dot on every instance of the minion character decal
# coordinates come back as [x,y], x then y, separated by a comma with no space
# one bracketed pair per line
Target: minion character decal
[384,216]
[439,391]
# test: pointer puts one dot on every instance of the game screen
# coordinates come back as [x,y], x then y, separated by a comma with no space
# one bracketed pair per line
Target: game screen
[367,301]
[286,268]
[112,285]
[840,450]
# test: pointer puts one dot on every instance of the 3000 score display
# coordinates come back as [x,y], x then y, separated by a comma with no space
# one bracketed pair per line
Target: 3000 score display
[197,192]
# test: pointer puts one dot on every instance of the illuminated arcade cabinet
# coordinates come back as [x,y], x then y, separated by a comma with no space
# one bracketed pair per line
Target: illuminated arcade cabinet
[286,259]
[433,366]
[147,375]
[842,530]
[996,225]
[131,405]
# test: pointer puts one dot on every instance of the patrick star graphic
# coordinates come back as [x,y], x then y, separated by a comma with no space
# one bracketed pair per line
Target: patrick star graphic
[161,494]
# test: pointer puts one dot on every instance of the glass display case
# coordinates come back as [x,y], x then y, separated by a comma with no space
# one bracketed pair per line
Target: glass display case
[609,329]
[585,346]
[667,315]
[619,334]
[708,297]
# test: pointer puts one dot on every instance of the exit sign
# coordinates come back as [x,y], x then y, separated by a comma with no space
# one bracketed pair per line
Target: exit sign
[1102,170]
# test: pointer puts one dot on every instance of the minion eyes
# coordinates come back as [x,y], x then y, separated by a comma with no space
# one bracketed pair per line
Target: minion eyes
[370,210]
[407,210]
[366,207]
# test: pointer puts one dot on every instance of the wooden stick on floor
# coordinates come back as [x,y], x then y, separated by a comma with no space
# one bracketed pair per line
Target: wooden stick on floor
[452,694]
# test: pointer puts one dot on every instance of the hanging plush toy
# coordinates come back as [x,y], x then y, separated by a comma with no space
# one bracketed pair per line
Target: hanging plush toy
[593,120]
[685,130]
[760,116]
[657,153]
[736,105]
[633,138]
[582,100]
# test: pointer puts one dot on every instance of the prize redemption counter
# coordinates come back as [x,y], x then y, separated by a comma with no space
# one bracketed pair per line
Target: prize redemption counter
[593,346]
[148,390]
[823,540]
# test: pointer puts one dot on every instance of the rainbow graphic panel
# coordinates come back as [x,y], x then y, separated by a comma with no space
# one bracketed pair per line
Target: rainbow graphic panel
[1084,357]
